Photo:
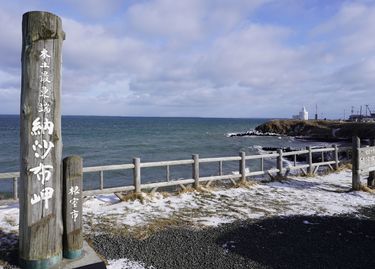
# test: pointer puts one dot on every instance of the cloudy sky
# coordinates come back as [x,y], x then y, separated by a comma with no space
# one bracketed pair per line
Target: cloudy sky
[208,58]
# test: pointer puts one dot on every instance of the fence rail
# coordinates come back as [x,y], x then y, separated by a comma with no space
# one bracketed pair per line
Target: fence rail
[243,171]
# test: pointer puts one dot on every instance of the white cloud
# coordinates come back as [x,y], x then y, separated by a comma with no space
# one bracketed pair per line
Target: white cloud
[199,58]
[168,18]
[188,21]
[96,9]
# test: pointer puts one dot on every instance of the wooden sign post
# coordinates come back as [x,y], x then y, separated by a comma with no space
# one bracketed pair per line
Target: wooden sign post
[72,207]
[371,177]
[40,229]
[363,162]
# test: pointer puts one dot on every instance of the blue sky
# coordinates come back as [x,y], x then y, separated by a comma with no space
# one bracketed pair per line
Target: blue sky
[212,58]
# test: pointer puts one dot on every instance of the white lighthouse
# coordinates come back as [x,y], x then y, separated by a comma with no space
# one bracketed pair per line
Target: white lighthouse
[304,115]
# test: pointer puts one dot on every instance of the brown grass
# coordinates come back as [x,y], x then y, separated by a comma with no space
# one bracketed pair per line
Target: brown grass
[245,184]
[157,225]
[131,196]
[367,189]
[138,232]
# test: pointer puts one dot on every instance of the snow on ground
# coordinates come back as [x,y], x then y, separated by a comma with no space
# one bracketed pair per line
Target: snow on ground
[319,195]
[126,264]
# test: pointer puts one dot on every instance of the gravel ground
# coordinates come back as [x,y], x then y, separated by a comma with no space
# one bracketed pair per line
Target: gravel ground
[289,242]
[345,241]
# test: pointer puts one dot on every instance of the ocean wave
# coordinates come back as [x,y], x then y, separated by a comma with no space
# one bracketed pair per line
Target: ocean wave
[251,133]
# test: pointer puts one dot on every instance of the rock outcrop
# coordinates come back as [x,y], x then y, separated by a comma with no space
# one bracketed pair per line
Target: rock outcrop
[318,129]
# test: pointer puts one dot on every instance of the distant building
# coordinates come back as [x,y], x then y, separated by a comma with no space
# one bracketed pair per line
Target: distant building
[362,118]
[359,117]
[303,115]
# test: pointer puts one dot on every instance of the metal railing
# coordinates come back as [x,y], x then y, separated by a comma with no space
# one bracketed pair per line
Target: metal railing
[309,167]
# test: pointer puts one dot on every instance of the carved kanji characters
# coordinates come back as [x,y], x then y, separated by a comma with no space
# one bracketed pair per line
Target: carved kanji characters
[38,128]
[42,172]
[74,202]
[44,54]
[45,146]
[44,65]
[44,107]
[74,190]
[44,195]
[44,77]
[74,214]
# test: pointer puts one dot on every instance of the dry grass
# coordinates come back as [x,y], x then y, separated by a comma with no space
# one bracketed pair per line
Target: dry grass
[200,189]
[10,221]
[186,190]
[107,225]
[344,166]
[131,196]
[245,184]
[367,189]
[157,225]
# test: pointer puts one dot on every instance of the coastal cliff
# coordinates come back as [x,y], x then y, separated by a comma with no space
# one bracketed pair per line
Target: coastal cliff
[319,129]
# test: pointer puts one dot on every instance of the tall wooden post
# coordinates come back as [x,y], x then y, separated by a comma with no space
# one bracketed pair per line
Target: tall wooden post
[72,207]
[40,229]
[356,175]
[371,177]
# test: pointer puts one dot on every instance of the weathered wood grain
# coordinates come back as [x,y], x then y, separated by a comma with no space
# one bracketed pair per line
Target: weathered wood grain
[72,207]
[371,177]
[40,229]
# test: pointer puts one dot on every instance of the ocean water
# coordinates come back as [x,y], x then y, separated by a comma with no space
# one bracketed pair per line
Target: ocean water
[116,140]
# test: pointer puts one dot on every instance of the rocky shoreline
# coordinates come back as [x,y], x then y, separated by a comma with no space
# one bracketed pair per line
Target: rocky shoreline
[313,130]
[320,130]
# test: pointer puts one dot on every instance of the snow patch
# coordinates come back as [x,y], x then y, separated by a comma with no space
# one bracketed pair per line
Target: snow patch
[127,264]
[319,195]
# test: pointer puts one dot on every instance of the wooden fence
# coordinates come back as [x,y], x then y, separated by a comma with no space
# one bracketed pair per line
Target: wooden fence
[280,169]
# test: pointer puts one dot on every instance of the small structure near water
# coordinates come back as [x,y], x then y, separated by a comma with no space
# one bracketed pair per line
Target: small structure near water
[302,115]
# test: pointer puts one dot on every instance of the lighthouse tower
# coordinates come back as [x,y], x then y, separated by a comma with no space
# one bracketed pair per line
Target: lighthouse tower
[304,115]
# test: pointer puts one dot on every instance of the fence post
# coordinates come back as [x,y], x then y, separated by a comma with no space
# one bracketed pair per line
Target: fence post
[168,173]
[101,174]
[279,164]
[15,188]
[72,207]
[243,166]
[137,174]
[220,168]
[356,176]
[310,161]
[336,157]
[40,228]
[196,170]
[371,177]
